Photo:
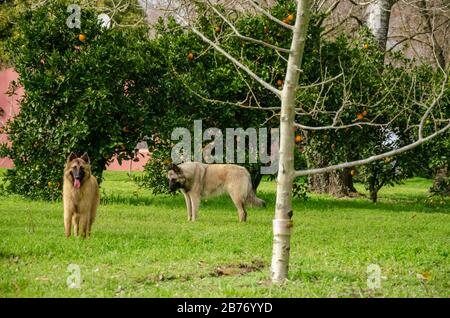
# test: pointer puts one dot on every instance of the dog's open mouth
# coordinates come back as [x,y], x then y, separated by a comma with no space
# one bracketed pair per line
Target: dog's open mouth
[76,183]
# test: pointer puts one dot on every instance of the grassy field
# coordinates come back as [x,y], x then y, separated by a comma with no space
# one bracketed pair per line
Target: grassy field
[142,246]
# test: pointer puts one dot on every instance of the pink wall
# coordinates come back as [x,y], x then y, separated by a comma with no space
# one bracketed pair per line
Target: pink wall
[136,165]
[10,106]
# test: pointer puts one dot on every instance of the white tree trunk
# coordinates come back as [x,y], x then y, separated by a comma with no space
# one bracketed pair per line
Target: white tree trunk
[282,223]
[378,15]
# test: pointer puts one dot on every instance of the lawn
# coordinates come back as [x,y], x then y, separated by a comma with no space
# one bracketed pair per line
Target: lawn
[143,246]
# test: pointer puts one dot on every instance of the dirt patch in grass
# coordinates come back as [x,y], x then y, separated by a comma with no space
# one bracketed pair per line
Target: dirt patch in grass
[237,269]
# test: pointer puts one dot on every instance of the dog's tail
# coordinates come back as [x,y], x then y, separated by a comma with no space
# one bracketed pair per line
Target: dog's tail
[253,199]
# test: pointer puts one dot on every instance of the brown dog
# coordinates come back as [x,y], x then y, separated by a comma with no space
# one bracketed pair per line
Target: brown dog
[197,180]
[80,195]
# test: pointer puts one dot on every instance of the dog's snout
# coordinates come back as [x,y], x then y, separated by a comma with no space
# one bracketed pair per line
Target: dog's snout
[78,173]
[173,185]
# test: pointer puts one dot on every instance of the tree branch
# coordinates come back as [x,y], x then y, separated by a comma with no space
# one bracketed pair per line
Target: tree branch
[271,17]
[243,37]
[266,85]
[418,142]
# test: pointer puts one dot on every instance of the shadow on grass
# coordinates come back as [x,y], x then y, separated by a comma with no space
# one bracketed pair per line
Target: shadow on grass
[321,203]
[313,276]
[332,204]
[168,200]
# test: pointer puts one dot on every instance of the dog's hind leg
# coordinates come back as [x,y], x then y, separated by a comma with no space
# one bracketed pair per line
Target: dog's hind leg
[92,218]
[239,203]
[188,205]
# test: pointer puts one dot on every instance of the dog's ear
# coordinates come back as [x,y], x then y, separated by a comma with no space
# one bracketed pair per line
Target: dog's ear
[173,167]
[71,157]
[85,157]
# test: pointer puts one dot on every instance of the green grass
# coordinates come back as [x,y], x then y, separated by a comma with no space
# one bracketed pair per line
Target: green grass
[142,246]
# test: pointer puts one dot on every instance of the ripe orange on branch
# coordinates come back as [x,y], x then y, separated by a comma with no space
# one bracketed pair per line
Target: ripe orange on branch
[360,116]
[82,37]
[298,138]
[290,18]
[190,56]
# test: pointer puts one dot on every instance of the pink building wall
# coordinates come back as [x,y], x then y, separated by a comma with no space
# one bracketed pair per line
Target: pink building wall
[10,106]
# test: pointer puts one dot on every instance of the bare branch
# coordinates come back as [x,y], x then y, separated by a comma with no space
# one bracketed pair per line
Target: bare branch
[243,37]
[266,85]
[271,17]
[217,101]
[373,158]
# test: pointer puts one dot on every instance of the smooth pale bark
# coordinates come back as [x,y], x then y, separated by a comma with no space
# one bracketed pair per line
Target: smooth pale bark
[282,224]
[378,15]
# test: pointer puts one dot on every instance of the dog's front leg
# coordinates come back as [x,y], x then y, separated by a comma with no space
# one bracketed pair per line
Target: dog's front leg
[195,202]
[67,222]
[76,222]
[187,198]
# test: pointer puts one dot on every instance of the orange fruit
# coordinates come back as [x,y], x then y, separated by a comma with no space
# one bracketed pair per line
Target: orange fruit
[353,172]
[82,37]
[190,56]
[365,45]
[286,21]
[217,29]
[290,17]
[360,116]
[298,138]
[280,82]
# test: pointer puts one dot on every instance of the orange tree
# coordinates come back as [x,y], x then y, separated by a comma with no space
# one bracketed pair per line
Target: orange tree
[100,95]
[360,80]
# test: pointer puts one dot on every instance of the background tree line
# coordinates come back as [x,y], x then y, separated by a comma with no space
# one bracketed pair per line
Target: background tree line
[121,86]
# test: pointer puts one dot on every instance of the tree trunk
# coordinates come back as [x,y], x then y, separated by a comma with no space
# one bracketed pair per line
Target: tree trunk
[348,181]
[282,222]
[378,15]
[441,174]
[336,183]
[256,180]
[374,194]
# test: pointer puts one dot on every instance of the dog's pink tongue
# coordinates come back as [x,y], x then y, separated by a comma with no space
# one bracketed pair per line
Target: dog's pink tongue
[76,183]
